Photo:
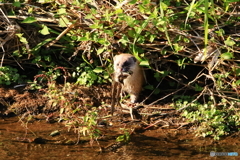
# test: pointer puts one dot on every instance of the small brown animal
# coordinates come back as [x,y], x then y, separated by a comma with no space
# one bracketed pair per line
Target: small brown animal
[129,73]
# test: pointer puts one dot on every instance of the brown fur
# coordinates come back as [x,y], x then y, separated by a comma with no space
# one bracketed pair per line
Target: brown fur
[131,76]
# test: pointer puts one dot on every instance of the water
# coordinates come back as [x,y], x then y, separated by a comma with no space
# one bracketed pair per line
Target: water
[34,142]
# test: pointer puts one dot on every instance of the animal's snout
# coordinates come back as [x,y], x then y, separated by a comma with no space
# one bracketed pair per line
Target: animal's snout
[122,70]
[125,69]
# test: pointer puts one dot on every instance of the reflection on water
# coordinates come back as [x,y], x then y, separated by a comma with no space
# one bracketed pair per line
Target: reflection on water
[16,142]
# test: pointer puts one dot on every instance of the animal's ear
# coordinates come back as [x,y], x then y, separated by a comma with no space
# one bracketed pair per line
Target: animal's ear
[134,59]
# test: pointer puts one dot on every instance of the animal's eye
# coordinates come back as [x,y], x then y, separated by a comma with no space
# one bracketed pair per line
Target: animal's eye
[126,63]
[117,64]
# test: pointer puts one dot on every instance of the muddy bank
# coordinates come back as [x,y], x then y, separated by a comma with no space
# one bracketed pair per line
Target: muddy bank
[23,99]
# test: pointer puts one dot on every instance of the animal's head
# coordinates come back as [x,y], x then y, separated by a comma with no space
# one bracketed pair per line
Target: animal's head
[124,64]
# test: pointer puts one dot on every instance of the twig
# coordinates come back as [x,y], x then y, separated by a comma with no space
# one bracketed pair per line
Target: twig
[167,96]
[205,88]
[62,34]
[41,19]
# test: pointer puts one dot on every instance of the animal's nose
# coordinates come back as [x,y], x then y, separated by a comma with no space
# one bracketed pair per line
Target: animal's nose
[124,69]
[118,70]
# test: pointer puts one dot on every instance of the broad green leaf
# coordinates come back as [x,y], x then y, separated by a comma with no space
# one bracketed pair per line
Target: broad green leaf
[149,87]
[16,4]
[94,26]
[83,39]
[39,45]
[132,1]
[231,1]
[63,21]
[62,11]
[109,32]
[89,16]
[103,41]
[22,39]
[198,88]
[131,33]
[117,11]
[30,10]
[227,55]
[156,91]
[98,70]
[163,6]
[157,76]
[130,21]
[238,82]
[229,42]
[238,71]
[29,20]
[100,50]
[44,31]
[120,138]
[124,40]
[152,37]
[177,47]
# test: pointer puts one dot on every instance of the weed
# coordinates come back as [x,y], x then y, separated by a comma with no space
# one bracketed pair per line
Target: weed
[211,120]
[125,138]
[9,75]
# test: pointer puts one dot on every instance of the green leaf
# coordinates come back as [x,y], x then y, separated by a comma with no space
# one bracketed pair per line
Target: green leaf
[89,16]
[149,87]
[156,91]
[238,82]
[132,1]
[100,50]
[238,71]
[163,6]
[132,33]
[38,46]
[22,39]
[227,55]
[30,10]
[103,41]
[152,37]
[62,11]
[29,20]
[229,42]
[157,76]
[93,75]
[109,32]
[16,4]
[44,31]
[124,40]
[120,138]
[118,11]
[98,70]
[186,40]
[130,21]
[177,47]
[83,39]
[231,1]
[63,21]
[47,58]
[94,26]
[198,88]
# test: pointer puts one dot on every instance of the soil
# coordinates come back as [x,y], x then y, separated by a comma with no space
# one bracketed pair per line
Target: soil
[21,100]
